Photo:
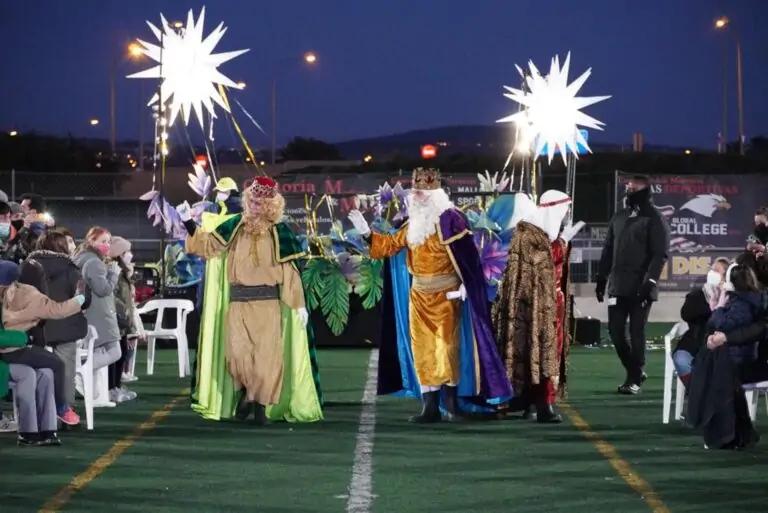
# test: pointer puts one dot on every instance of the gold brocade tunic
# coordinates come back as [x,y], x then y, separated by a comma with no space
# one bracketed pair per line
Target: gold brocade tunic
[434,319]
[254,339]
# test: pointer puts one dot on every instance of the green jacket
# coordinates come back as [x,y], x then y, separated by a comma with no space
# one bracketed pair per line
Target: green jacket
[8,338]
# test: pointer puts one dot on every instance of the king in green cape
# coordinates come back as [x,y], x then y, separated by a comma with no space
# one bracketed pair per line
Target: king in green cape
[256,354]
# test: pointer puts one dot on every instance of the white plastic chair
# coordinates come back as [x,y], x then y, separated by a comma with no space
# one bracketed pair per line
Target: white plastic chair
[179,333]
[753,391]
[672,382]
[84,370]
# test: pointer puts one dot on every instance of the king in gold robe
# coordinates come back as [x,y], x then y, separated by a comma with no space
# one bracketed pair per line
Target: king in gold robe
[436,331]
[264,337]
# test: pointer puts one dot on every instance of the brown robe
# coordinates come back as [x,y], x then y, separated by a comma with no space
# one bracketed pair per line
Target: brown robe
[254,343]
[525,312]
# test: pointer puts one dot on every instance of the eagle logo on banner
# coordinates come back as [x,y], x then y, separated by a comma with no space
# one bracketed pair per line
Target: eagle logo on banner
[703,205]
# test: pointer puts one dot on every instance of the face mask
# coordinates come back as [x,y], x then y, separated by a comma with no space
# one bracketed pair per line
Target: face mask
[127,258]
[636,198]
[37,228]
[713,278]
[222,196]
[5,230]
[18,224]
[103,249]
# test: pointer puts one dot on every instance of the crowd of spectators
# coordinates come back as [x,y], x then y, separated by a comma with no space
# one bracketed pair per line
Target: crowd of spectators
[51,290]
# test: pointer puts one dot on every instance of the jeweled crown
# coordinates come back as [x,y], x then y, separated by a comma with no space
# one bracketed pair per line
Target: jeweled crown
[263,187]
[426,179]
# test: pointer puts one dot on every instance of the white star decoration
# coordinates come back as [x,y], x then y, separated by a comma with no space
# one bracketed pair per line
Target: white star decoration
[188,67]
[552,112]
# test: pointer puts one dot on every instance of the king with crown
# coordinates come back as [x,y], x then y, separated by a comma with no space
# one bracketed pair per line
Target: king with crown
[268,365]
[437,341]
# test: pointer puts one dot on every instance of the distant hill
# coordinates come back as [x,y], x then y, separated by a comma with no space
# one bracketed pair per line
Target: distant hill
[469,139]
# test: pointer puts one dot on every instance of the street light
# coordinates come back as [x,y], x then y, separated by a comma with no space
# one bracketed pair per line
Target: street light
[134,52]
[723,23]
[309,58]
[94,122]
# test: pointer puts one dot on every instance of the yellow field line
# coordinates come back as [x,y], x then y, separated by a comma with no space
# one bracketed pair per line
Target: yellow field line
[619,464]
[95,469]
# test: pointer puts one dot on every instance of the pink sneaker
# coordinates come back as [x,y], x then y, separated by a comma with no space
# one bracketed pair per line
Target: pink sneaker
[70,418]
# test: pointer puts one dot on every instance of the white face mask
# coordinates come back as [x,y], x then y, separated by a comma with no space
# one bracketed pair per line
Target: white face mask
[222,196]
[713,277]
[127,257]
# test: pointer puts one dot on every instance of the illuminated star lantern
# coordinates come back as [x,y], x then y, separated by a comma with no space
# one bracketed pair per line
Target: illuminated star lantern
[551,114]
[188,68]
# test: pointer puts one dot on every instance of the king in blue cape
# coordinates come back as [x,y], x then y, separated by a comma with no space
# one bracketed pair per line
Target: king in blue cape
[437,341]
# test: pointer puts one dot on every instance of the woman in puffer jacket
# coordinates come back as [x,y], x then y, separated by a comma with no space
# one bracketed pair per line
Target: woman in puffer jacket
[100,276]
[63,280]
[127,317]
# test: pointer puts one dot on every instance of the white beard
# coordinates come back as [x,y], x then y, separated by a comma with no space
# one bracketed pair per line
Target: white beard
[423,218]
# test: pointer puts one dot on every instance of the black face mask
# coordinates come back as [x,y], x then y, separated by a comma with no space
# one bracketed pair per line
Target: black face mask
[18,224]
[761,231]
[638,198]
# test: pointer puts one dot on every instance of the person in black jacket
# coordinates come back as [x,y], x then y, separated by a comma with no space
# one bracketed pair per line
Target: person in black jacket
[633,257]
[696,310]
[63,282]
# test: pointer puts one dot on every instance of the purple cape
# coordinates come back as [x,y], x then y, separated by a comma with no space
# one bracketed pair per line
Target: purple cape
[493,378]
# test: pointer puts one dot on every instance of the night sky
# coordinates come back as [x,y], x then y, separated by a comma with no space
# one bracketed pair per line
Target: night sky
[388,67]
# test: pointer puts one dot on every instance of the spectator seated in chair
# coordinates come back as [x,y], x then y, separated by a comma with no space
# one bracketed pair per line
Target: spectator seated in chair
[696,311]
[23,308]
[34,394]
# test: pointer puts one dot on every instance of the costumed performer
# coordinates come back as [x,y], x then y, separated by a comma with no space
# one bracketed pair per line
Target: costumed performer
[261,314]
[531,313]
[436,330]
[211,392]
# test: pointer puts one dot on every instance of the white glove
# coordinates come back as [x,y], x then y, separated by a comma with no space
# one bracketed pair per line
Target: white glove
[303,315]
[458,294]
[358,221]
[114,268]
[570,231]
[185,211]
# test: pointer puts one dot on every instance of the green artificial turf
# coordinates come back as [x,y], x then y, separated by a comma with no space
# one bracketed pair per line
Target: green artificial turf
[186,464]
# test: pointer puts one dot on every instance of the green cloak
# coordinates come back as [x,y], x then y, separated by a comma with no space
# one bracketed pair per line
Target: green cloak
[215,396]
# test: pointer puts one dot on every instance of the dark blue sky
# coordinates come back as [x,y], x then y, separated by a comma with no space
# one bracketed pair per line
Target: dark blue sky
[387,67]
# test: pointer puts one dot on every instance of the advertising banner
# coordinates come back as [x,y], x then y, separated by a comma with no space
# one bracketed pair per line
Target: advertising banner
[685,271]
[705,213]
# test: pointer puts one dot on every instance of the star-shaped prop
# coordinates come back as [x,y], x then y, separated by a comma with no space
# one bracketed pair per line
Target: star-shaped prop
[188,68]
[552,112]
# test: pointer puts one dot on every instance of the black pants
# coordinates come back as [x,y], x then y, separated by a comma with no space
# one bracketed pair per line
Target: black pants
[631,353]
[115,370]
[39,358]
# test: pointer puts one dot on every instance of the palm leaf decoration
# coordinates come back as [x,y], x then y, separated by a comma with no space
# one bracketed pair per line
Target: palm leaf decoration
[325,286]
[370,283]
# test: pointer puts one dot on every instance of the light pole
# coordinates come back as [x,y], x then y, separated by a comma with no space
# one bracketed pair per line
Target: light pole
[134,51]
[309,58]
[723,23]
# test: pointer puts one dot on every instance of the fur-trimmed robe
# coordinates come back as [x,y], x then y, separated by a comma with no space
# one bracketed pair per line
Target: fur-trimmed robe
[524,315]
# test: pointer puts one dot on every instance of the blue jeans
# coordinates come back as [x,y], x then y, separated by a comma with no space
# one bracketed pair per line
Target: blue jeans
[683,361]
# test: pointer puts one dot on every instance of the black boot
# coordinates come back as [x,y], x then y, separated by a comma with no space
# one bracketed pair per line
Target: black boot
[547,415]
[529,413]
[50,438]
[244,408]
[452,404]
[260,415]
[430,412]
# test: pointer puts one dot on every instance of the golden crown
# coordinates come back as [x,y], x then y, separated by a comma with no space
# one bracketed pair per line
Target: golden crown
[426,179]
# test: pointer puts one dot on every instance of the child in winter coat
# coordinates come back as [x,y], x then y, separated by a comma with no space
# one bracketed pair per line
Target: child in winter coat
[742,303]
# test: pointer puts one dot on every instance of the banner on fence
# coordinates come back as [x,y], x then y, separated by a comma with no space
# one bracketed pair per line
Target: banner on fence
[304,193]
[705,212]
[685,271]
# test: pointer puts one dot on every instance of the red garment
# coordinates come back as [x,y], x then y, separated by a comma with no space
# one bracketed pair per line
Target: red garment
[547,390]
